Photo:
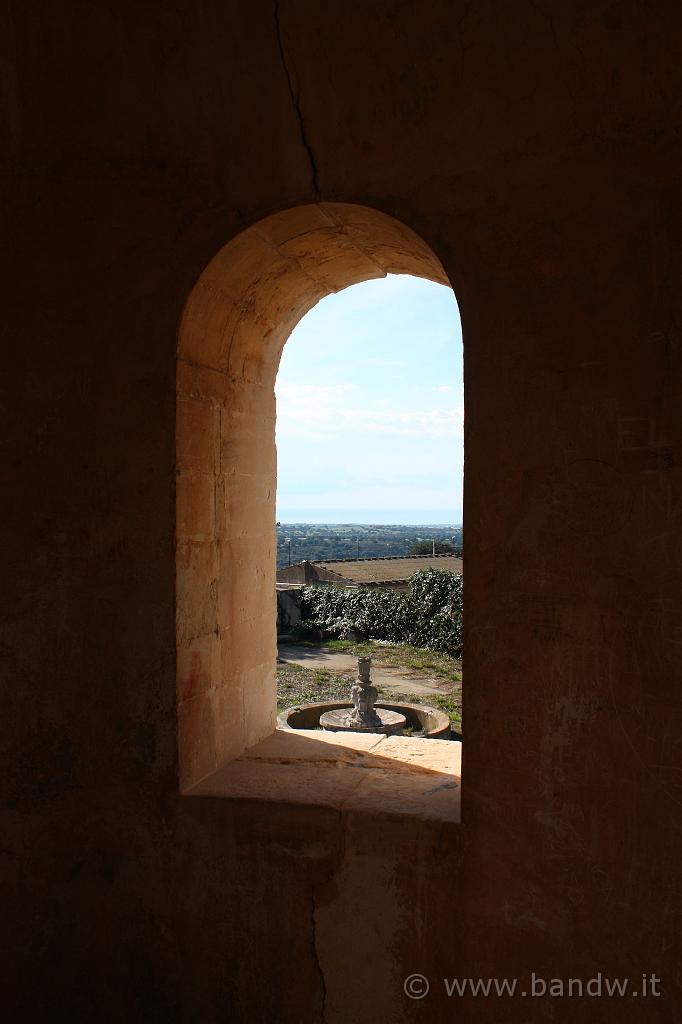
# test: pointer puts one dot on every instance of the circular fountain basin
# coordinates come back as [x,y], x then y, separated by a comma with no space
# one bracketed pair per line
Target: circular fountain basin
[421,718]
[390,722]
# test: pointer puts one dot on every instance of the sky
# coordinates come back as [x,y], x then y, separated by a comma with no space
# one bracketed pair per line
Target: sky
[370,408]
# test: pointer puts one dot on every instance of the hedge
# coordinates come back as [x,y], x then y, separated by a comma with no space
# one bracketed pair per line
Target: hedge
[428,615]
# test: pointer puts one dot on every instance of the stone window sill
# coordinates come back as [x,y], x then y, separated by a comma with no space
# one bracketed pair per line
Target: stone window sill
[369,774]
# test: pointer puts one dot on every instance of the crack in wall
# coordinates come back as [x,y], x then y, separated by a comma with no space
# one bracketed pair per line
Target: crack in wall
[334,869]
[296,102]
[316,958]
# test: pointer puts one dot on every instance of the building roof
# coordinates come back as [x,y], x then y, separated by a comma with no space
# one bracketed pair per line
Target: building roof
[391,569]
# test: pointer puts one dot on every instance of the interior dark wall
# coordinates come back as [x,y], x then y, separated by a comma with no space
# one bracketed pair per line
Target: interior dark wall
[535,148]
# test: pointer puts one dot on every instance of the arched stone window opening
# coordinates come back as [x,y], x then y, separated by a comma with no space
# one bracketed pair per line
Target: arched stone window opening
[234,327]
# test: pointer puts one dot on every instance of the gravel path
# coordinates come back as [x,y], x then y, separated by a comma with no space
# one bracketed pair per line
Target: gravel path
[391,678]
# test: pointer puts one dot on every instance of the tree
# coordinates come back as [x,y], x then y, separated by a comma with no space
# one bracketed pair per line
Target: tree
[426,547]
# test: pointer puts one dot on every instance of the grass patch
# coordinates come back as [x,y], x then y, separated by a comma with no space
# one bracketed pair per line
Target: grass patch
[349,646]
[415,659]
[451,704]
[298,685]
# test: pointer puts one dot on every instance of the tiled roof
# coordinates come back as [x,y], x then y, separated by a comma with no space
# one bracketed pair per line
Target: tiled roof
[399,567]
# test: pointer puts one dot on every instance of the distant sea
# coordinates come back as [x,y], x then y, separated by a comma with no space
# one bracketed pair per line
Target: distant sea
[371,517]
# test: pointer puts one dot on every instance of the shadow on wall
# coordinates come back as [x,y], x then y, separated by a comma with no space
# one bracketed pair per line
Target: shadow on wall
[288,609]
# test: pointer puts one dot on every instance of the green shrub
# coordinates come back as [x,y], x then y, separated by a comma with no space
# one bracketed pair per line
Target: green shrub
[428,615]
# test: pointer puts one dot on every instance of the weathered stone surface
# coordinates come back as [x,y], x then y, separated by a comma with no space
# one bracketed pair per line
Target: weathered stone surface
[416,778]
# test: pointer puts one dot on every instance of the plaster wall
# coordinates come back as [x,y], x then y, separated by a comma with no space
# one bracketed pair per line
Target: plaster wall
[535,151]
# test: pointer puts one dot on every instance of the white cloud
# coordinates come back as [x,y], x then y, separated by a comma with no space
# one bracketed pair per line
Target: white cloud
[315,411]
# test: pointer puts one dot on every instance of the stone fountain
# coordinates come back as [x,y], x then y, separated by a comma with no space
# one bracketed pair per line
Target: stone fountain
[364,716]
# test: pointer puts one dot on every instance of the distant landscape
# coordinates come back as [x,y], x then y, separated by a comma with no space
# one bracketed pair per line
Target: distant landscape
[318,541]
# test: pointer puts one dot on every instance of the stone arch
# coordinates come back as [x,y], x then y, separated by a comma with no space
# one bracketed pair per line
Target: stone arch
[233,329]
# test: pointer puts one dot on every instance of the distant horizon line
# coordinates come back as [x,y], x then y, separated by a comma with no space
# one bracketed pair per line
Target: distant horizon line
[429,526]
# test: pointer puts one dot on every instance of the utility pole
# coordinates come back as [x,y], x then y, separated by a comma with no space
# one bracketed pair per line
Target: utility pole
[433,542]
[358,543]
[289,550]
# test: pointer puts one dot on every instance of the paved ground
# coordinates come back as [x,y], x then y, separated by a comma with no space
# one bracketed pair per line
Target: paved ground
[397,679]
